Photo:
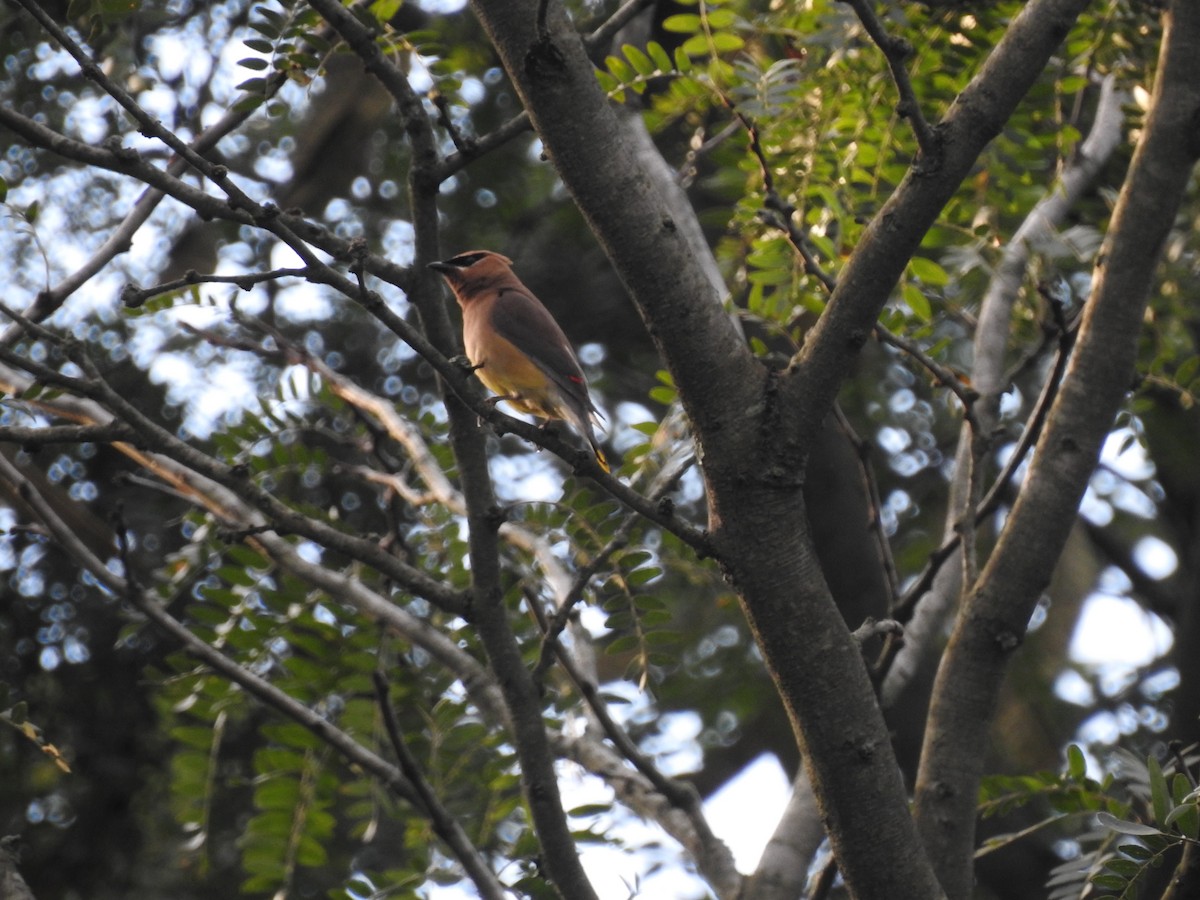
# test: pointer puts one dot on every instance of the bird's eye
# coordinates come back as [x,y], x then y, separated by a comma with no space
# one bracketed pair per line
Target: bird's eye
[465,260]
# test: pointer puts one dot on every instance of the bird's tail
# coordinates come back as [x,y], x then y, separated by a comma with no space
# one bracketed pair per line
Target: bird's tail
[581,416]
[600,457]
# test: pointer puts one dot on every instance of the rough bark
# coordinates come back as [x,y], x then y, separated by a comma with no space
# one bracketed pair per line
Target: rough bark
[755,427]
[996,613]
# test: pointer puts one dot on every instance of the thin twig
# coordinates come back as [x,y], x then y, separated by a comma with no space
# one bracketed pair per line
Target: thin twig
[778,213]
[991,500]
[121,239]
[679,794]
[871,484]
[664,482]
[262,690]
[114,157]
[969,519]
[597,42]
[444,824]
[477,147]
[896,51]
[941,374]
[28,436]
[133,296]
[823,883]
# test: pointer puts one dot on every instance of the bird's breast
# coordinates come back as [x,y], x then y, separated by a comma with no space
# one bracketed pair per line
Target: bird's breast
[506,371]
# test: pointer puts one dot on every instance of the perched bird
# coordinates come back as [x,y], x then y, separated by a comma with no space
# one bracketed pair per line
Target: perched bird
[517,348]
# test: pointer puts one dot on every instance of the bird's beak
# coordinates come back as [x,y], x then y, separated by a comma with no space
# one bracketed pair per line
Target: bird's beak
[441,267]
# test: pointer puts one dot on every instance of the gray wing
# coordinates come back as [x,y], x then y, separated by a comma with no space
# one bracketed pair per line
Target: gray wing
[521,320]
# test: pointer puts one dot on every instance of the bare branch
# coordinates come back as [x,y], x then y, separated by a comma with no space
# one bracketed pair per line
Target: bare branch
[125,161]
[897,51]
[259,688]
[120,240]
[941,374]
[443,823]
[597,42]
[36,436]
[133,296]
[871,486]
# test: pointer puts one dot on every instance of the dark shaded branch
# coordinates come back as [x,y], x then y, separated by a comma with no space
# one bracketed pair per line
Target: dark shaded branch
[995,615]
[897,51]
[597,42]
[942,375]
[36,436]
[133,296]
[257,687]
[443,823]
[871,489]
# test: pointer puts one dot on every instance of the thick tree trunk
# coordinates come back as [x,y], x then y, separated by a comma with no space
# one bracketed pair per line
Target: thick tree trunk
[995,615]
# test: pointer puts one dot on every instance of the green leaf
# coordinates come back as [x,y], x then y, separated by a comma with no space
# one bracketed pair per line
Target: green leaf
[1136,851]
[641,63]
[661,60]
[725,42]
[256,63]
[1126,868]
[1123,826]
[644,575]
[1076,763]
[928,271]
[916,300]
[1159,793]
[623,644]
[682,23]
[1187,370]
[721,18]
[384,10]
[619,68]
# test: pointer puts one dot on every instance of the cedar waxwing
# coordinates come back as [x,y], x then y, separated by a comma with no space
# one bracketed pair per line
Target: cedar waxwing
[517,348]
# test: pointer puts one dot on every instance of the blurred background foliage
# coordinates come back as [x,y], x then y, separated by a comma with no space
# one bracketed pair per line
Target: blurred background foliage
[181,787]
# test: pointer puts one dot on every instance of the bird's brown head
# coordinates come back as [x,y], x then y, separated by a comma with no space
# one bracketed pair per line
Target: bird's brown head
[475,272]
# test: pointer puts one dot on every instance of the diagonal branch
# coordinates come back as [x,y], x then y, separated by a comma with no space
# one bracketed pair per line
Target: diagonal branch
[868,277]
[253,684]
[150,435]
[996,614]
[444,824]
[121,239]
[897,51]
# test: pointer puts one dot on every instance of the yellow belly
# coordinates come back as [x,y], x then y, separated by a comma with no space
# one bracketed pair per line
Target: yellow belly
[508,372]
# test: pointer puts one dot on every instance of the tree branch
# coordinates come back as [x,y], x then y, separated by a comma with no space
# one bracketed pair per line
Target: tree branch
[120,240]
[897,51]
[153,436]
[262,690]
[995,615]
[443,823]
